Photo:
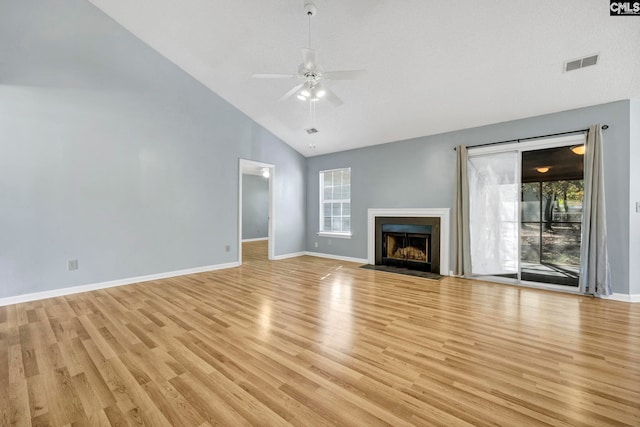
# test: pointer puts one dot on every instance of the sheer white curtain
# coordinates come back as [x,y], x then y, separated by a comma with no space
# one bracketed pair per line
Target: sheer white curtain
[494,191]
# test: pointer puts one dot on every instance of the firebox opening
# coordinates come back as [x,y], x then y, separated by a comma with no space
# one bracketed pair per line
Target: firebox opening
[408,242]
[407,245]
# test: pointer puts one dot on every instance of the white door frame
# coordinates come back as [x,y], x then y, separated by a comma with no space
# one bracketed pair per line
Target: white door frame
[242,166]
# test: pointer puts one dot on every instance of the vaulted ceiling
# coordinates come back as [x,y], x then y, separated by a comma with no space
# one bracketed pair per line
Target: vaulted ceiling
[433,66]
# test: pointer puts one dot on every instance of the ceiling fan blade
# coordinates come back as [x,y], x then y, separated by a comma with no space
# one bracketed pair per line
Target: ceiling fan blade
[333,98]
[291,92]
[309,58]
[272,76]
[344,75]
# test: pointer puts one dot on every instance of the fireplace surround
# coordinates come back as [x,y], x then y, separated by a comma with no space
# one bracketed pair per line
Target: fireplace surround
[417,237]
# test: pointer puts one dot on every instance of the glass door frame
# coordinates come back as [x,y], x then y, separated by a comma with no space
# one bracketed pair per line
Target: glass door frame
[520,147]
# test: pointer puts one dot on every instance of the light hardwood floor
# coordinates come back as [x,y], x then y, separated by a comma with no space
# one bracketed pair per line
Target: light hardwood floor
[311,342]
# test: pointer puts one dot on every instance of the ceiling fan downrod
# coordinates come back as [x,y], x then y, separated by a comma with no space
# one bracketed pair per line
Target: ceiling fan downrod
[310,9]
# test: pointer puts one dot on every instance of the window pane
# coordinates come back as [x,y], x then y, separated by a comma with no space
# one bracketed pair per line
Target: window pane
[530,243]
[530,202]
[328,193]
[551,231]
[346,191]
[561,245]
[328,179]
[338,193]
[335,188]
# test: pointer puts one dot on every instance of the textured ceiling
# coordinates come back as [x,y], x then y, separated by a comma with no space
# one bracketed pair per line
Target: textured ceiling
[433,66]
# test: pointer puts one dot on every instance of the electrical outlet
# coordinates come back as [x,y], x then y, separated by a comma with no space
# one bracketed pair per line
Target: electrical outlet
[227,248]
[315,244]
[329,242]
[72,264]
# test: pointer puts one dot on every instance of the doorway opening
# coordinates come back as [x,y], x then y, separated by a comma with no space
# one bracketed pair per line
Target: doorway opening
[255,208]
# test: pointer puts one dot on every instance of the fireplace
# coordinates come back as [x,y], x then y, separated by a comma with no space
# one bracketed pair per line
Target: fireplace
[408,242]
[438,218]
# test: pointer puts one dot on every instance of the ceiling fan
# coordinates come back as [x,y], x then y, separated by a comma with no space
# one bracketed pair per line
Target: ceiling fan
[311,74]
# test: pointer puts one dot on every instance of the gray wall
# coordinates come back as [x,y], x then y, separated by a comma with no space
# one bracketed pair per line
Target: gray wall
[420,173]
[634,191]
[255,206]
[113,156]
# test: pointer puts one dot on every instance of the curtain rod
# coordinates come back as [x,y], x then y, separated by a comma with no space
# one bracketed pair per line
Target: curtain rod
[604,127]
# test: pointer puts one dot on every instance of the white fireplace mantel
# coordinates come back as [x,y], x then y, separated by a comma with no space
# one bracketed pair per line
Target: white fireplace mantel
[442,213]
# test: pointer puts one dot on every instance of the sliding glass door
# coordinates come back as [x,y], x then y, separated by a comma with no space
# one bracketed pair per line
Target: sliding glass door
[551,216]
[526,211]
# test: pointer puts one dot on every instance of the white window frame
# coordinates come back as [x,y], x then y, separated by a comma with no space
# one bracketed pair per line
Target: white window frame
[322,232]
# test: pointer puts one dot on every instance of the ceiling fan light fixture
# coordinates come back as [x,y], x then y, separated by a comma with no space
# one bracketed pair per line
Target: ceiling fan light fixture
[578,149]
[310,74]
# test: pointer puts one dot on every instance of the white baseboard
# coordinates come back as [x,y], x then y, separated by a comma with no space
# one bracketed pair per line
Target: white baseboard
[624,297]
[321,255]
[257,239]
[338,257]
[286,256]
[110,284]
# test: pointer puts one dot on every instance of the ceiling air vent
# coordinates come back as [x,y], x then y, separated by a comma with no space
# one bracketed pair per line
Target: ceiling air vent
[311,131]
[581,63]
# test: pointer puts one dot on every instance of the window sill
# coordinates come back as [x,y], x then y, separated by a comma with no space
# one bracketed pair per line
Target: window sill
[336,235]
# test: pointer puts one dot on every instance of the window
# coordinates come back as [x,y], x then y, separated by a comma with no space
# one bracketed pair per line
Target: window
[335,202]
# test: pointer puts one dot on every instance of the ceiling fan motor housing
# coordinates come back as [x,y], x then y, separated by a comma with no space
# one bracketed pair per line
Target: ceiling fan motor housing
[310,9]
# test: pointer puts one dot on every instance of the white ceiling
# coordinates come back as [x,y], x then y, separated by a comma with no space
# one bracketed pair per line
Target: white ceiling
[433,66]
